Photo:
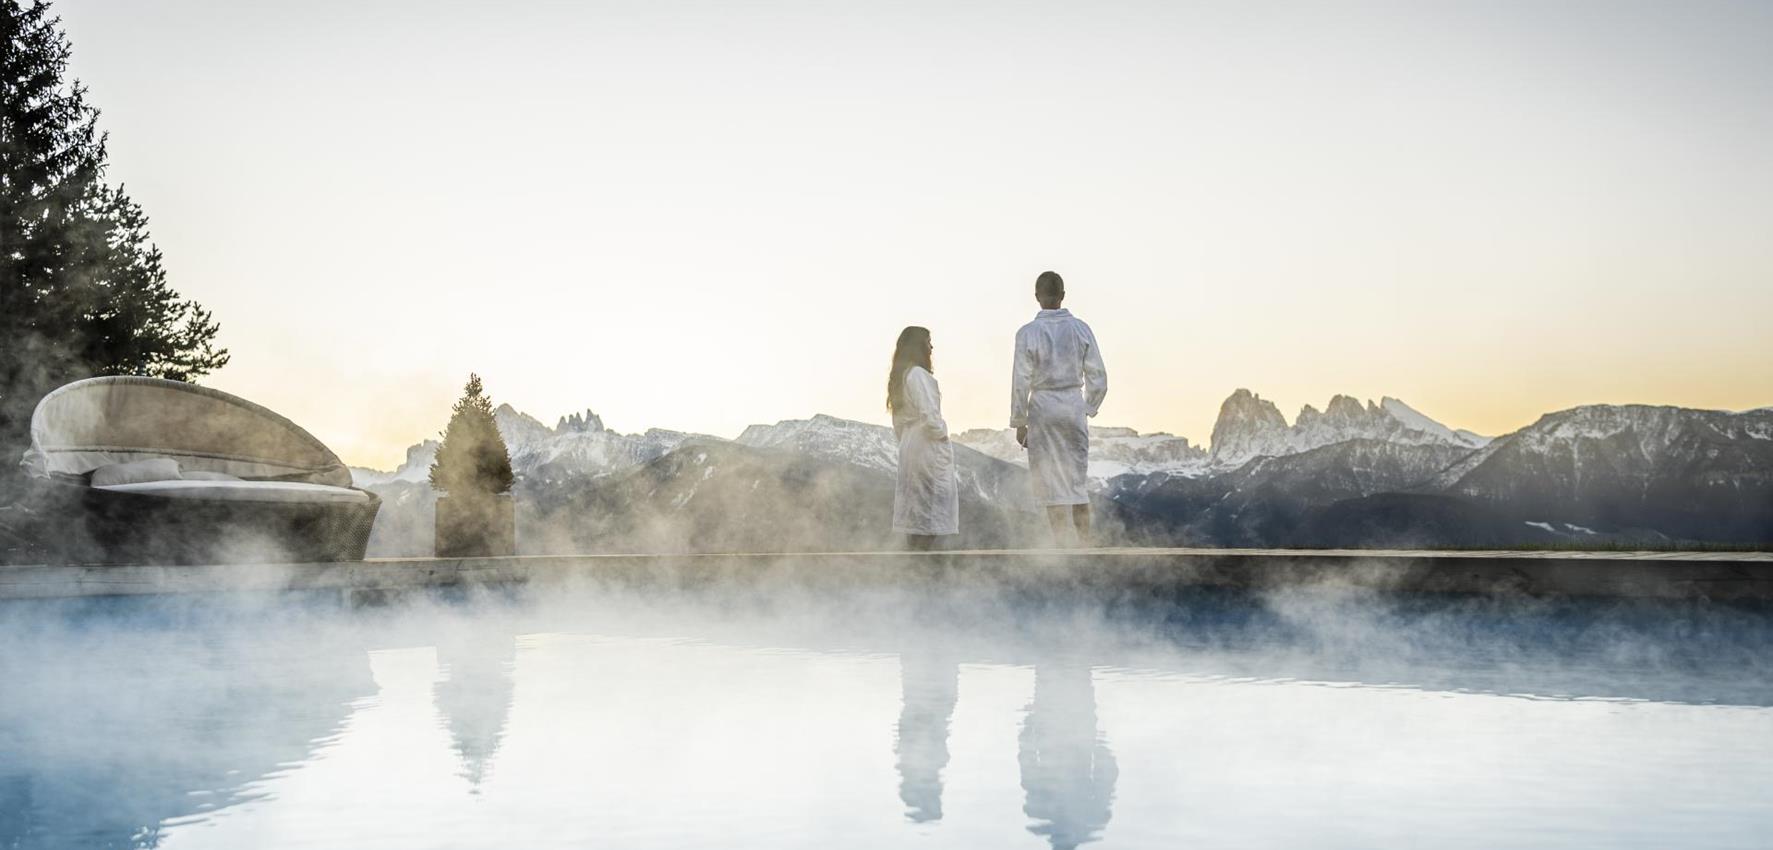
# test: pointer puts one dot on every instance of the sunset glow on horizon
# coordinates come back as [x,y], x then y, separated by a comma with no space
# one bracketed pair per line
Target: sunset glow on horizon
[702,216]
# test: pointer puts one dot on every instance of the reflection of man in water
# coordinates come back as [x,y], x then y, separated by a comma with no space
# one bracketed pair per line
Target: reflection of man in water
[930,682]
[1067,770]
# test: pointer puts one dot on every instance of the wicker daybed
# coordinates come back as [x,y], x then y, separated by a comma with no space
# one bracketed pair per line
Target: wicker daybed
[150,471]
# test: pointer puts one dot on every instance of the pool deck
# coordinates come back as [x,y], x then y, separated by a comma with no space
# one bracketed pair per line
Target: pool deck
[1718,576]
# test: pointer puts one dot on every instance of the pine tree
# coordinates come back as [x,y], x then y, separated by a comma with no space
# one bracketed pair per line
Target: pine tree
[473,461]
[82,290]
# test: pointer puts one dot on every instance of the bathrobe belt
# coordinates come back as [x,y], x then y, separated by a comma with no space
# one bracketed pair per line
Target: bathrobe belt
[1049,387]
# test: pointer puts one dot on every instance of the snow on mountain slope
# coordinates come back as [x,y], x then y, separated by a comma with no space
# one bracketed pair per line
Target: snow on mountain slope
[1684,473]
[1755,424]
[1412,419]
[860,443]
[520,430]
[1634,437]
[1113,451]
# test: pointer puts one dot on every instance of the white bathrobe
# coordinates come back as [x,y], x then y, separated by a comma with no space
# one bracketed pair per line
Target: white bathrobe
[1058,380]
[927,500]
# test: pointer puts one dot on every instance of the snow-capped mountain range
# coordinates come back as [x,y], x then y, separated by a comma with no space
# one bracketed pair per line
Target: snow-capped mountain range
[579,446]
[1353,474]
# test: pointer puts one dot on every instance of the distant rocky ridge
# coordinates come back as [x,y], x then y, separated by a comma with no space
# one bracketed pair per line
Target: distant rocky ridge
[1692,474]
[1250,427]
[1352,475]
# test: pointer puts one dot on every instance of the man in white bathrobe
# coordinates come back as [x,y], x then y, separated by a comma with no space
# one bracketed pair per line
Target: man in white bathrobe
[1058,382]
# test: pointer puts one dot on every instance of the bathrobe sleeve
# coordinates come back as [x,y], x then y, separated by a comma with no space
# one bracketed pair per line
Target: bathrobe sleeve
[925,399]
[1021,380]
[1095,373]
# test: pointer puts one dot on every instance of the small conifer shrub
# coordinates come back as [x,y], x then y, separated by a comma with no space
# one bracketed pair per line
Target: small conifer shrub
[473,462]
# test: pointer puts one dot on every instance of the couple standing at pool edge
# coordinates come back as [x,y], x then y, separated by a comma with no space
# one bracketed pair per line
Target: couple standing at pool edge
[1057,382]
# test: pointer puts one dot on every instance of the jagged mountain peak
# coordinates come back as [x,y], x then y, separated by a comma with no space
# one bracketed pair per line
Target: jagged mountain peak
[587,422]
[1348,408]
[1243,402]
[1249,427]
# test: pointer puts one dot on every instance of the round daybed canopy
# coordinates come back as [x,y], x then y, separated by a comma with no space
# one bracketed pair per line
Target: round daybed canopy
[101,421]
[146,470]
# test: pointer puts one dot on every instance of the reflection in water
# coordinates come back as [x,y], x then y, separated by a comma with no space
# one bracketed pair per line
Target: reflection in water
[147,725]
[930,682]
[1067,771]
[107,735]
[475,698]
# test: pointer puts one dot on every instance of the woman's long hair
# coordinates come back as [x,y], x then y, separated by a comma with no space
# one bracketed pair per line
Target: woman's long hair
[912,350]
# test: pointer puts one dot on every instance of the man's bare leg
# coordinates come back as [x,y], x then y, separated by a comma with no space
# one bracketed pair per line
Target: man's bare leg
[1059,517]
[1080,516]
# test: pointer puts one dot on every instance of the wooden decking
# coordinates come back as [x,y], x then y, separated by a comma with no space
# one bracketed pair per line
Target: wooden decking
[1722,576]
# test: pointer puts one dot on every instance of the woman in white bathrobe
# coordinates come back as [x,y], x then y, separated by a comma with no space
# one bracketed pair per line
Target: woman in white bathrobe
[926,504]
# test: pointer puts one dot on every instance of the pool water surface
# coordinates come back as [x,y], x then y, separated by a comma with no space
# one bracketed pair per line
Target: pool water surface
[606,718]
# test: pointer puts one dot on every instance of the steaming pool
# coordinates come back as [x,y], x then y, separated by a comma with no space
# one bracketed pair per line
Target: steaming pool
[756,717]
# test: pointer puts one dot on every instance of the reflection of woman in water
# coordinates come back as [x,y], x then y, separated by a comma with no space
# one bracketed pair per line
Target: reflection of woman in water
[1067,770]
[930,682]
[927,502]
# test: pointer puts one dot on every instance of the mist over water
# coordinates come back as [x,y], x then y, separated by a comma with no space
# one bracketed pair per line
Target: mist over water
[764,715]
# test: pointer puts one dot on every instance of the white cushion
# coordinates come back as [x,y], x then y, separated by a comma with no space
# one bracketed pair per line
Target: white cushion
[243,491]
[136,471]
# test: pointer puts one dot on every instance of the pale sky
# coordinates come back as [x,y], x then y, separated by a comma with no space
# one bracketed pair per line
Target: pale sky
[704,215]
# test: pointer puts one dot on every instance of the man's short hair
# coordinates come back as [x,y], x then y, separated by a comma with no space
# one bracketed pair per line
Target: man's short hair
[1049,285]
